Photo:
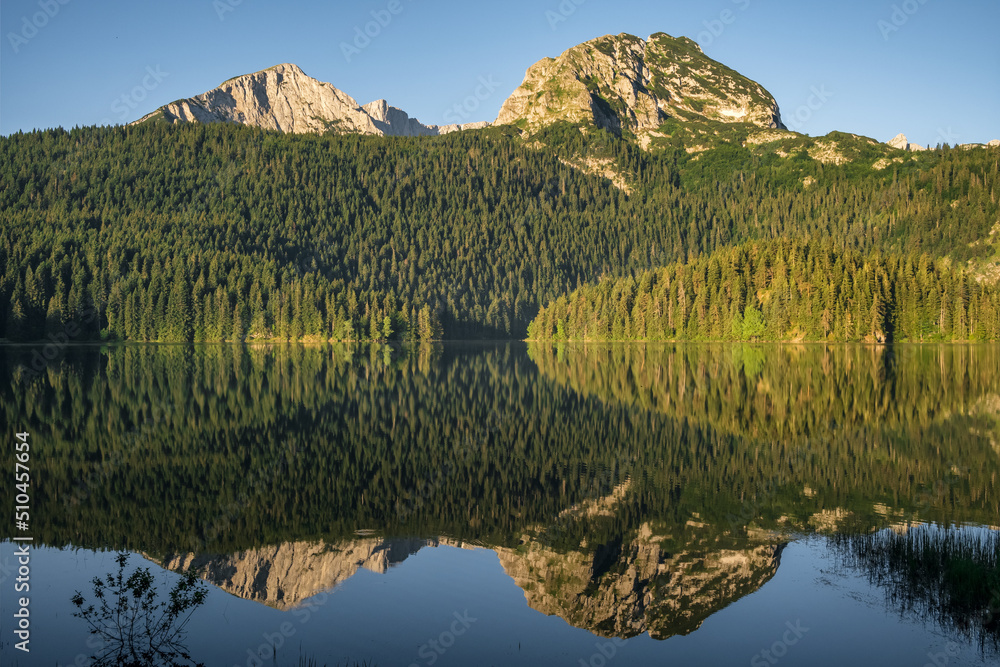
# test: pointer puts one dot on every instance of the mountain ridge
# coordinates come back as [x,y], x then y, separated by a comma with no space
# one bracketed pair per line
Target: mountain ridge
[286,99]
[659,90]
[621,83]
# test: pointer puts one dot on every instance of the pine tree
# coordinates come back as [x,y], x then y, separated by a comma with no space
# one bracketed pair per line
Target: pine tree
[179,320]
[754,325]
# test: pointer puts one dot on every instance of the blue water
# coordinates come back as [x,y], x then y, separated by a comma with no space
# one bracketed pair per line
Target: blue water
[456,606]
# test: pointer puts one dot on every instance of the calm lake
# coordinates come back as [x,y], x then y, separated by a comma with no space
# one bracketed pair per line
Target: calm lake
[515,504]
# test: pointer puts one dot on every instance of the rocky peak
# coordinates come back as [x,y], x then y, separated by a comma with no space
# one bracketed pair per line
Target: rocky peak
[286,99]
[647,589]
[625,588]
[626,84]
[900,141]
[393,121]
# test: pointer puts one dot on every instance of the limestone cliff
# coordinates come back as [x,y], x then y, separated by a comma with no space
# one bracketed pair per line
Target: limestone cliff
[626,84]
[620,589]
[283,575]
[286,99]
[637,586]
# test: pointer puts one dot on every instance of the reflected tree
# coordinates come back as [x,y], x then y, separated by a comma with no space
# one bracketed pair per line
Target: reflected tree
[134,625]
[948,575]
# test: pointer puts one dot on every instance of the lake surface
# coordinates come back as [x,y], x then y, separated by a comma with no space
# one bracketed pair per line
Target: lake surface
[507,504]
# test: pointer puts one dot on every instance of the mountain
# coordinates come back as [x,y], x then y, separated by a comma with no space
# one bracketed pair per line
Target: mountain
[628,85]
[623,589]
[658,92]
[902,143]
[620,83]
[620,156]
[665,93]
[638,585]
[286,99]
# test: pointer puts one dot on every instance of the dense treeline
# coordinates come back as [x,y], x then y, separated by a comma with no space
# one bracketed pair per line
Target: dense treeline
[222,232]
[782,290]
[218,448]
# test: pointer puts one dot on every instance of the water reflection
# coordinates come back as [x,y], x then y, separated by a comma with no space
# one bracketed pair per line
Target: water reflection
[132,623]
[626,489]
[948,575]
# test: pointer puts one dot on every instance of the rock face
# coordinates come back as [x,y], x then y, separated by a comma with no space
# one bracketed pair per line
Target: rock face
[396,123]
[621,589]
[284,575]
[613,590]
[286,99]
[631,585]
[626,84]
[900,142]
[995,143]
[624,590]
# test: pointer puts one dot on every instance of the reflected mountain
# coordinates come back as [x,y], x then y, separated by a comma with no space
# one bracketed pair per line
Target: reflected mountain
[636,583]
[615,590]
[628,489]
[284,575]
[638,586]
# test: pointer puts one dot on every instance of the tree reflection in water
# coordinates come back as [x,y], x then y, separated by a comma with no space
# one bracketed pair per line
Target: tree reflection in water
[949,575]
[134,627]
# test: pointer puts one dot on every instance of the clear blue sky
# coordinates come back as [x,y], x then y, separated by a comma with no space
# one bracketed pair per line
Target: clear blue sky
[931,69]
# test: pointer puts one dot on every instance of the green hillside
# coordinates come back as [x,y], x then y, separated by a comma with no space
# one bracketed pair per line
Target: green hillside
[220,232]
